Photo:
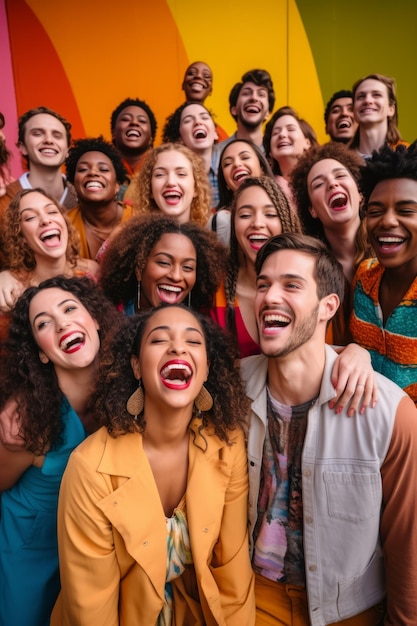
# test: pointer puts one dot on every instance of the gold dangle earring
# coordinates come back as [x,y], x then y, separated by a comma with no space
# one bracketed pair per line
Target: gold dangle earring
[134,405]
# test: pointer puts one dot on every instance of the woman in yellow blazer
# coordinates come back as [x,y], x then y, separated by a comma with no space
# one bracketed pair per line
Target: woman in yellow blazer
[153,507]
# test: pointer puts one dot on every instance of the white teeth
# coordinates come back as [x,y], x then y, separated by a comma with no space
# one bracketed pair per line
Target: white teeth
[170,288]
[257,237]
[198,86]
[390,239]
[133,133]
[71,339]
[50,233]
[339,199]
[240,175]
[94,184]
[176,366]
[172,194]
[48,151]
[283,319]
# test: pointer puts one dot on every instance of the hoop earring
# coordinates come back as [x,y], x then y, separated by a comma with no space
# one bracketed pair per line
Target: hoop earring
[138,296]
[134,405]
[204,400]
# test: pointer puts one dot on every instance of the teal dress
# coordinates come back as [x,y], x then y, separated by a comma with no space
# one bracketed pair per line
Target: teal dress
[29,573]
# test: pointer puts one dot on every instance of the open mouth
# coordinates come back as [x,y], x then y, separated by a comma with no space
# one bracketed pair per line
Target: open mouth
[48,151]
[200,133]
[239,175]
[390,243]
[172,197]
[252,108]
[284,144]
[50,237]
[176,374]
[338,201]
[274,321]
[71,342]
[169,293]
[94,184]
[257,241]
[197,86]
[343,124]
[133,134]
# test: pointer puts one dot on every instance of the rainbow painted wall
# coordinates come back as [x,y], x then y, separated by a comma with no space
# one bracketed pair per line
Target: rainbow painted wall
[82,57]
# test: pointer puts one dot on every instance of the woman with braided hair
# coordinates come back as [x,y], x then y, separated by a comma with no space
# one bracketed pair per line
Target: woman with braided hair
[260,210]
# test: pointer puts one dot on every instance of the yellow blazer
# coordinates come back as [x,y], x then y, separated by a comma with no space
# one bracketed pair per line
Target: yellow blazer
[113,538]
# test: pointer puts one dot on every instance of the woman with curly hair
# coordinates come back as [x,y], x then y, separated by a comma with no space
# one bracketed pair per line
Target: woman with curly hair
[154,259]
[95,168]
[287,136]
[325,187]
[260,210]
[39,243]
[172,180]
[46,380]
[152,521]
[375,109]
[193,125]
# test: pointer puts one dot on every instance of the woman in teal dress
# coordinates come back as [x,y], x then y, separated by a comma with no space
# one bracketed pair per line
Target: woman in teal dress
[46,382]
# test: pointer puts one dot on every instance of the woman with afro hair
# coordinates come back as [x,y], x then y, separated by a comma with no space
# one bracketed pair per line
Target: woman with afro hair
[95,168]
[154,259]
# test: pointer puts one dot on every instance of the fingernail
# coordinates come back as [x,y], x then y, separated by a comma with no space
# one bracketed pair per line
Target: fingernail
[339,409]
[331,404]
[351,412]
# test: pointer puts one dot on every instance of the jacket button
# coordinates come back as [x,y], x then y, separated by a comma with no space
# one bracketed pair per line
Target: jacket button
[312,568]
[252,464]
[309,519]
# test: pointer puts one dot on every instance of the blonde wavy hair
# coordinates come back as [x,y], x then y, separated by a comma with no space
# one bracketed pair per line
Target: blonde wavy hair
[20,258]
[140,189]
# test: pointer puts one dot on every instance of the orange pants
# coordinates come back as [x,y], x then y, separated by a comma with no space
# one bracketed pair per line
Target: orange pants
[279,604]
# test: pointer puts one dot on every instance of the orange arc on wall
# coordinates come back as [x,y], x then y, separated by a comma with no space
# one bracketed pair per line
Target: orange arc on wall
[40,78]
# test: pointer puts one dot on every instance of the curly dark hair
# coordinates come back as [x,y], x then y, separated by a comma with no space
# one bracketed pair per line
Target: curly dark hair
[386,164]
[32,384]
[298,182]
[117,382]
[94,144]
[136,103]
[226,194]
[307,130]
[290,224]
[20,257]
[171,132]
[311,226]
[129,251]
[141,185]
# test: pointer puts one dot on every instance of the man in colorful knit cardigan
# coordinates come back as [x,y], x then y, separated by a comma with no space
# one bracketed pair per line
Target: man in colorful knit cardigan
[384,317]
